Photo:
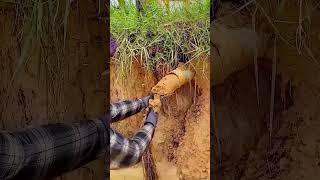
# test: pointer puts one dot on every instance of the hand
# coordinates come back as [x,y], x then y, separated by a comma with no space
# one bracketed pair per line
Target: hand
[155,103]
[146,99]
[152,117]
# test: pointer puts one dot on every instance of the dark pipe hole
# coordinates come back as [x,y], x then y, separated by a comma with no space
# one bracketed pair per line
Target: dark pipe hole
[182,57]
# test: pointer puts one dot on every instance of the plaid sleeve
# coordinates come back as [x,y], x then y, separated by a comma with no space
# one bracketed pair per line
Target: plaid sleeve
[48,151]
[127,152]
[124,109]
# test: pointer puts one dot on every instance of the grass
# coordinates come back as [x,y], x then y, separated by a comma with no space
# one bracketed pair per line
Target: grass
[159,37]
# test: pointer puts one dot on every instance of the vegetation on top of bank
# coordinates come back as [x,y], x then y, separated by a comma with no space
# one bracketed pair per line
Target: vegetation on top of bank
[158,36]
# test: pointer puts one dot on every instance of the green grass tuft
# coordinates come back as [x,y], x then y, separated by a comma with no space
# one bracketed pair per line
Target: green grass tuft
[184,30]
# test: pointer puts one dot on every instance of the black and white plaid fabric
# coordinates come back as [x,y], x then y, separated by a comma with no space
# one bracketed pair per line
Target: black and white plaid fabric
[127,152]
[124,109]
[48,151]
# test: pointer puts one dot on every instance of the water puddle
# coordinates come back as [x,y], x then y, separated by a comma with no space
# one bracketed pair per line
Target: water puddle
[165,171]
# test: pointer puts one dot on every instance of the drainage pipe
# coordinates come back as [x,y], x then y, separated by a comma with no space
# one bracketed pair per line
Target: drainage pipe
[173,81]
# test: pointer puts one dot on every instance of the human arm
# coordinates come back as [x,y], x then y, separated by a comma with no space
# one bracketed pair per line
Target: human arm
[124,109]
[48,151]
[127,152]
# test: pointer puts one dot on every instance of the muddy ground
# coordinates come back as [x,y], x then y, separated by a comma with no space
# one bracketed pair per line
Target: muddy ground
[182,139]
[242,144]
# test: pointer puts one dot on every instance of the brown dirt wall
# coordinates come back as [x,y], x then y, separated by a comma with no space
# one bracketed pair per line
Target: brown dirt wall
[183,126]
[243,149]
[79,91]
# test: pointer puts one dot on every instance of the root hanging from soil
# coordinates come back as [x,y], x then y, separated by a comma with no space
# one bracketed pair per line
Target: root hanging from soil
[150,169]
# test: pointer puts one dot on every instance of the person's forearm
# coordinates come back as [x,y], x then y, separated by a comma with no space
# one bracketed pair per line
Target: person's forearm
[127,152]
[48,151]
[124,109]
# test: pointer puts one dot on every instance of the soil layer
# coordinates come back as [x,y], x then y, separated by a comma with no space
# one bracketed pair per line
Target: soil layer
[77,92]
[182,137]
[246,146]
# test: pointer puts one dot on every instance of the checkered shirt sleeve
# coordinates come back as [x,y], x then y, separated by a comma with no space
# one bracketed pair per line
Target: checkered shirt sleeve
[127,152]
[48,151]
[124,109]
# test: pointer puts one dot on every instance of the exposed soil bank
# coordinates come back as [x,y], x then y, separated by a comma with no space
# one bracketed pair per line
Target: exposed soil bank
[242,141]
[243,149]
[182,137]
[239,121]
[78,92]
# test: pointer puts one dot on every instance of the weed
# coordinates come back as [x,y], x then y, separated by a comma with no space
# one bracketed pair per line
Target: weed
[159,37]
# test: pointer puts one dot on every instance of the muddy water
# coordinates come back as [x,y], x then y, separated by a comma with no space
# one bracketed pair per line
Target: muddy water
[132,173]
[167,171]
